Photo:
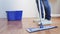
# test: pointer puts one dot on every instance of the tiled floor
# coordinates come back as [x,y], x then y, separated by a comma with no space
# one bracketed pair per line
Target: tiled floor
[19,27]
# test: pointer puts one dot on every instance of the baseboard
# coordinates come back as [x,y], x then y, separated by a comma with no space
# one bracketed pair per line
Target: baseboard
[55,15]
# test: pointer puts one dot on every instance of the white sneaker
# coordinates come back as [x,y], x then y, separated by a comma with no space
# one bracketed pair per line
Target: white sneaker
[45,22]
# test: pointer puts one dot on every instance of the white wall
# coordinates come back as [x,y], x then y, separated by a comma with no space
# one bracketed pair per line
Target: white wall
[9,5]
[55,8]
[2,14]
[28,6]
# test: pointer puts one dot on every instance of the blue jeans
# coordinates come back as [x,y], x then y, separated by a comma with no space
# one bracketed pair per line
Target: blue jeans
[46,8]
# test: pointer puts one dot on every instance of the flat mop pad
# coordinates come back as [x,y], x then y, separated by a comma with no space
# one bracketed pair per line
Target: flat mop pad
[30,30]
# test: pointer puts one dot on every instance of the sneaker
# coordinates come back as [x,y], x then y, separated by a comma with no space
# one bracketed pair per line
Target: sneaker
[45,22]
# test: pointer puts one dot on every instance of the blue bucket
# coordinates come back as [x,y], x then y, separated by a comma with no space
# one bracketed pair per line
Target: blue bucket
[14,15]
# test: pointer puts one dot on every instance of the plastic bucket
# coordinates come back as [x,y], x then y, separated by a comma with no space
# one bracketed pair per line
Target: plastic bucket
[14,15]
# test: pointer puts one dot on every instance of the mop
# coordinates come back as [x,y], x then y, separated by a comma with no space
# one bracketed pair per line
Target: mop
[41,26]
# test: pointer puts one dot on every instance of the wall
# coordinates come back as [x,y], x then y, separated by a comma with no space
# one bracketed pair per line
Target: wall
[9,5]
[28,6]
[55,6]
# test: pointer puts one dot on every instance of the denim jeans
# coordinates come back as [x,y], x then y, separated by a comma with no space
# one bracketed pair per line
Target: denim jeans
[46,8]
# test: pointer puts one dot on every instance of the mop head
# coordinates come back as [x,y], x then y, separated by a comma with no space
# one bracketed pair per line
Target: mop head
[30,30]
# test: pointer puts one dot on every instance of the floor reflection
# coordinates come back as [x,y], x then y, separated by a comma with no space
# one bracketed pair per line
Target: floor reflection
[14,25]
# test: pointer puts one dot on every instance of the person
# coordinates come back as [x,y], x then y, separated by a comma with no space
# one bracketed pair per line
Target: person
[47,8]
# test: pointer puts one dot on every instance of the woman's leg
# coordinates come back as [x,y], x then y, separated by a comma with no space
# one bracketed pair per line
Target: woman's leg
[37,5]
[47,10]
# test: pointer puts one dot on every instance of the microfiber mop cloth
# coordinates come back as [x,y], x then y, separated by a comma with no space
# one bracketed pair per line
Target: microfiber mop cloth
[40,29]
